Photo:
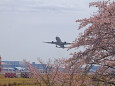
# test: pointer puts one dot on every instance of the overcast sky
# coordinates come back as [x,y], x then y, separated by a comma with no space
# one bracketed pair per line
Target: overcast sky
[26,24]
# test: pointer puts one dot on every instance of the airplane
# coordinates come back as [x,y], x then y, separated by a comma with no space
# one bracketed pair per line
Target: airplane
[59,43]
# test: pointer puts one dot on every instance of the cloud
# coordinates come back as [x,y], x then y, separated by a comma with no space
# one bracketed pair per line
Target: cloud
[38,5]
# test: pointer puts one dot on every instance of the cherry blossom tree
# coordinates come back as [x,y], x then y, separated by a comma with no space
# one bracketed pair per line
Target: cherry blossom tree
[52,74]
[56,73]
[98,39]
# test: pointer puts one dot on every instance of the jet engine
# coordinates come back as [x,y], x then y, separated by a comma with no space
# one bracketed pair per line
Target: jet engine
[65,42]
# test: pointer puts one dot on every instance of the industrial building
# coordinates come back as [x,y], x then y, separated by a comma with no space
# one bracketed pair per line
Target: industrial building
[18,66]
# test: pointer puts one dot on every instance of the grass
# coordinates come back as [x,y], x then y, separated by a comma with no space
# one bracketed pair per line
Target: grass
[26,85]
[17,82]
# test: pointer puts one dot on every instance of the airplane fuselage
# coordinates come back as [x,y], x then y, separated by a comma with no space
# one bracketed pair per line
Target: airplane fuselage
[59,42]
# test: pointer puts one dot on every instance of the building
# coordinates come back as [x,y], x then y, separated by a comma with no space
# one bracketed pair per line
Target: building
[18,65]
[12,64]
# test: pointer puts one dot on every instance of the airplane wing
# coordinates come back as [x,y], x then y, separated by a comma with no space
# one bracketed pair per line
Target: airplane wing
[65,43]
[50,42]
